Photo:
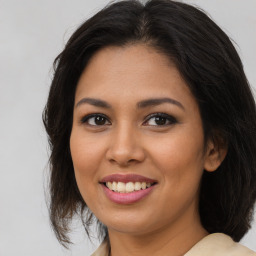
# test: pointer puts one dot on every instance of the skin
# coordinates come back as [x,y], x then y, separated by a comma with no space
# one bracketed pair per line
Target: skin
[167,220]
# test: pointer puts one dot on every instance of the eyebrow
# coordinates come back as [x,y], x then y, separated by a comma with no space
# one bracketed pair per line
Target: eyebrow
[94,102]
[141,104]
[158,101]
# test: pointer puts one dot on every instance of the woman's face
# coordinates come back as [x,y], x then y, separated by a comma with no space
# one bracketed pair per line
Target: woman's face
[137,129]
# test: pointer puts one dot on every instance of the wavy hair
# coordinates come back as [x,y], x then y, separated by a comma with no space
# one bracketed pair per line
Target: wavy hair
[212,69]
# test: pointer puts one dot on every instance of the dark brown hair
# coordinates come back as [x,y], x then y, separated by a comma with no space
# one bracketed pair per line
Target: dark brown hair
[209,63]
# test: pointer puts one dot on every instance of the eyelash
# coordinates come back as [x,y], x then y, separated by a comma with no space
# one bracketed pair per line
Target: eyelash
[168,118]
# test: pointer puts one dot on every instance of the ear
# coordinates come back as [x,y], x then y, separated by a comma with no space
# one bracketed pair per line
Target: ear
[216,152]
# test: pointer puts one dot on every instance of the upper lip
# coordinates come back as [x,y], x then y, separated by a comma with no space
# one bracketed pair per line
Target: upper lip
[126,178]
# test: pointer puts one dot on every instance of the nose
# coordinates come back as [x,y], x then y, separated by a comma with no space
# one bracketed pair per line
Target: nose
[125,147]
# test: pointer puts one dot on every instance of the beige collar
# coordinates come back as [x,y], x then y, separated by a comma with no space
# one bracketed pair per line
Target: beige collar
[219,244]
[216,244]
[103,250]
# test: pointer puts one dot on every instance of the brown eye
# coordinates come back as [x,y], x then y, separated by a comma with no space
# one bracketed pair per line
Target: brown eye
[160,119]
[99,120]
[95,120]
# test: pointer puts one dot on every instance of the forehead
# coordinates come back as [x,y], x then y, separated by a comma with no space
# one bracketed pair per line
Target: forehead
[131,72]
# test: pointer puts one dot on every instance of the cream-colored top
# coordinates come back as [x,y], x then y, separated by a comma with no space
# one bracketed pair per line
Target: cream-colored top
[216,244]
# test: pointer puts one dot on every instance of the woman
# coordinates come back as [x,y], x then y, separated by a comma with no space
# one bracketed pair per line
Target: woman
[152,123]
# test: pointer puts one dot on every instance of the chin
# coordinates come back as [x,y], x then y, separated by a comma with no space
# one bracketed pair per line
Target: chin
[134,224]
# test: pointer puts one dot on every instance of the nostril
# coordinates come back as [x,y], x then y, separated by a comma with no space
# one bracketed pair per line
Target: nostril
[125,154]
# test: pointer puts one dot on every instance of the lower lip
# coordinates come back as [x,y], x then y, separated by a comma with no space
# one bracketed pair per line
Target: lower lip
[126,198]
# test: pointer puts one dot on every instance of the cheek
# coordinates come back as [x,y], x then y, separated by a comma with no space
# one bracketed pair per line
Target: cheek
[86,156]
[180,160]
[86,153]
[180,163]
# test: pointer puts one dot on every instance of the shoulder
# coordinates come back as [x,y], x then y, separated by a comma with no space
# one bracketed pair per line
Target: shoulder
[219,244]
[212,245]
[103,249]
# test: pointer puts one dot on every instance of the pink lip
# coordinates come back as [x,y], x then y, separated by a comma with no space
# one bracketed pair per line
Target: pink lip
[126,178]
[126,198]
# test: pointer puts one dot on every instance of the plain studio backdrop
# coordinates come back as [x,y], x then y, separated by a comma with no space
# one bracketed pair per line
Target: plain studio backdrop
[32,34]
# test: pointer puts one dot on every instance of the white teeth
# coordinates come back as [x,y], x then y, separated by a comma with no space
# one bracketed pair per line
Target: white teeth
[137,186]
[114,185]
[120,187]
[128,187]
[109,185]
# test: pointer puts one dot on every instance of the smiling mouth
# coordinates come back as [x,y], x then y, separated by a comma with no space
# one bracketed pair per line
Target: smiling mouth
[129,187]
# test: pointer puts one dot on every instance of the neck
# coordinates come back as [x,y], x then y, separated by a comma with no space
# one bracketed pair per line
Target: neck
[175,239]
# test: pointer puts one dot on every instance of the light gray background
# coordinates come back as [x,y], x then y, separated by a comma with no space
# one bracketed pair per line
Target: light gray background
[32,34]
